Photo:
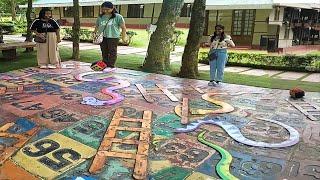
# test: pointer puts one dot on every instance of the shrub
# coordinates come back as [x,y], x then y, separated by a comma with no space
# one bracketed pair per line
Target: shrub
[176,38]
[286,62]
[86,35]
[20,24]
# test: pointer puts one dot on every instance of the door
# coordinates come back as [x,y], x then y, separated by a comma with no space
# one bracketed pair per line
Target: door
[242,27]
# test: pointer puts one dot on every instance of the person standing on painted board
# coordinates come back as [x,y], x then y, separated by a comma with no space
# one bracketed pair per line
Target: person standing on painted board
[218,54]
[109,23]
[48,31]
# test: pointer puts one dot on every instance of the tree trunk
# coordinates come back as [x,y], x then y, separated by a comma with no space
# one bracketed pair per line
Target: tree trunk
[13,10]
[76,31]
[189,68]
[1,35]
[29,22]
[158,54]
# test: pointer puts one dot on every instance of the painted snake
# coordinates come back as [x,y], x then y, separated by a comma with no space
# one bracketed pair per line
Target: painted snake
[116,98]
[235,133]
[225,107]
[224,164]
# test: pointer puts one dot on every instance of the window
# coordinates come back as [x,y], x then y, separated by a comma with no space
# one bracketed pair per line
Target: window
[248,22]
[135,10]
[186,10]
[277,14]
[243,22]
[287,32]
[237,22]
[67,12]
[87,11]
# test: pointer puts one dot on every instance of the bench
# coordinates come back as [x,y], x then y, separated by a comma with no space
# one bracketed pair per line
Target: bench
[9,50]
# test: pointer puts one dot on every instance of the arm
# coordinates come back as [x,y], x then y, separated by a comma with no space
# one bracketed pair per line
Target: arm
[124,32]
[96,28]
[33,28]
[210,43]
[230,42]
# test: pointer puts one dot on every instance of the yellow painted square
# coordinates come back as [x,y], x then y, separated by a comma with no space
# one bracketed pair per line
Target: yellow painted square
[199,176]
[34,166]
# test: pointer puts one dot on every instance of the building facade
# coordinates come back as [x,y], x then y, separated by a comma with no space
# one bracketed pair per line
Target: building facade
[264,24]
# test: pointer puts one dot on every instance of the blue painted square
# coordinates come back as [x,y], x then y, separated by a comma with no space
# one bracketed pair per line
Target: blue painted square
[45,86]
[114,169]
[44,76]
[252,167]
[208,167]
[22,125]
[90,87]
[41,134]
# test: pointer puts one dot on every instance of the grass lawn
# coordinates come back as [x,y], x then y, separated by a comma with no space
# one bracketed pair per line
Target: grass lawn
[141,40]
[135,61]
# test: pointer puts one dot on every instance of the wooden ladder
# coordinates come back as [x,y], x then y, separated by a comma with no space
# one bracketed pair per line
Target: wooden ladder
[141,156]
[312,111]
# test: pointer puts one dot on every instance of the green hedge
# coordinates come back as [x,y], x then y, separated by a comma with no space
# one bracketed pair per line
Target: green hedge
[263,61]
[86,35]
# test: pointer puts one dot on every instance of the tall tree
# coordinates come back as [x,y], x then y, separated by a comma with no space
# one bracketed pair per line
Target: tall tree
[189,66]
[1,35]
[158,54]
[76,31]
[13,9]
[29,22]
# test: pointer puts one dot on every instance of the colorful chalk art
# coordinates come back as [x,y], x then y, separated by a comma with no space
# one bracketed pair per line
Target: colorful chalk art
[75,123]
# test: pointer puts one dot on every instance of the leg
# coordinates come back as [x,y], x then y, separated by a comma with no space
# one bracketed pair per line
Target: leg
[213,69]
[54,58]
[221,62]
[104,50]
[112,47]
[42,54]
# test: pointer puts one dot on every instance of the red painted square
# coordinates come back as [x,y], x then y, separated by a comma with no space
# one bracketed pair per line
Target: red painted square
[11,171]
[58,118]
[32,105]
[6,116]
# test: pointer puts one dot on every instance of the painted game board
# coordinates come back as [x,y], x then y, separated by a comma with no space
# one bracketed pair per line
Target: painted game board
[123,124]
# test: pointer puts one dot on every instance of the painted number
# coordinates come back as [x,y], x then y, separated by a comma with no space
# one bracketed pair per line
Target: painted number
[73,155]
[89,127]
[44,147]
[47,146]
[65,80]
[192,155]
[32,107]
[59,115]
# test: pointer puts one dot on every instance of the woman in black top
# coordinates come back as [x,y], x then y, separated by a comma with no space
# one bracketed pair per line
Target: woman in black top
[47,28]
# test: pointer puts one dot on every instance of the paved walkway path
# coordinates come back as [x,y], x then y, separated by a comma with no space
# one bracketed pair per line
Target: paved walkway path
[177,55]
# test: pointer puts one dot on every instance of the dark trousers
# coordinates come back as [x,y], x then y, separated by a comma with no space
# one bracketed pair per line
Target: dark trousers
[109,50]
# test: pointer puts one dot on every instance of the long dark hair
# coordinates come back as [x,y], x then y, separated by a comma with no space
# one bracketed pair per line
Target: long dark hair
[109,5]
[222,35]
[42,12]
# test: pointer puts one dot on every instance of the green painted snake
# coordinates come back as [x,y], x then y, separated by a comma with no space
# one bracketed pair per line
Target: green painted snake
[223,165]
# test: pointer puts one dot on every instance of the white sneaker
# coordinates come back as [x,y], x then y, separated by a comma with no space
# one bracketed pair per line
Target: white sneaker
[50,66]
[43,67]
[211,83]
[218,83]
